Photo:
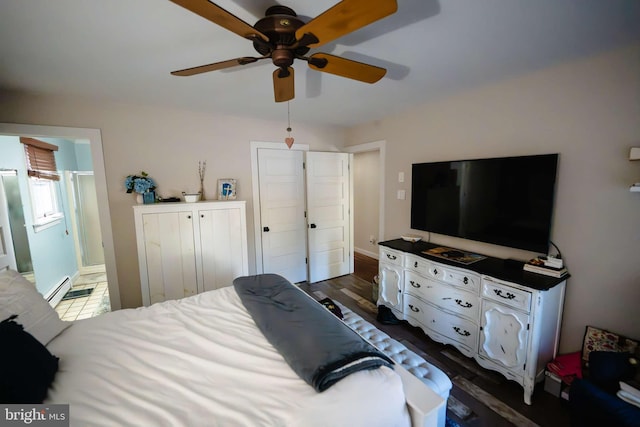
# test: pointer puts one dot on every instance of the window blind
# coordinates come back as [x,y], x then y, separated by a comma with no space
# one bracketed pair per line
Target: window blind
[41,162]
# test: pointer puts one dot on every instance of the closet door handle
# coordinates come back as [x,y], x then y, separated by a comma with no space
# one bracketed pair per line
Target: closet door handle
[312,226]
[265,229]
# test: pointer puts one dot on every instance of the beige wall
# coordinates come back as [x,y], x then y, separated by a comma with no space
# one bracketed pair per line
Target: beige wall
[167,144]
[589,112]
[366,199]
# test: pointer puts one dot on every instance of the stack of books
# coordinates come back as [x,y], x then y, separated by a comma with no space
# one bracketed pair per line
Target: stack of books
[629,393]
[537,265]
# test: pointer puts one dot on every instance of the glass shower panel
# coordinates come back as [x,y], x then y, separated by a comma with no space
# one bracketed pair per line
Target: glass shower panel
[88,220]
[9,181]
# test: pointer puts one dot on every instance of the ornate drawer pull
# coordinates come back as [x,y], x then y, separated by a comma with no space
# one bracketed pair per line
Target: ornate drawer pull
[435,271]
[465,280]
[393,257]
[414,284]
[464,334]
[415,264]
[414,309]
[508,296]
[465,305]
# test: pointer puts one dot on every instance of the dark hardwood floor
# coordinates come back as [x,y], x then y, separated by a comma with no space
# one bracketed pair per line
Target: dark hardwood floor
[479,397]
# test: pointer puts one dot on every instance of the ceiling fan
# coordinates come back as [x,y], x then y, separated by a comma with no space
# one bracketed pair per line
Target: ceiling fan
[282,37]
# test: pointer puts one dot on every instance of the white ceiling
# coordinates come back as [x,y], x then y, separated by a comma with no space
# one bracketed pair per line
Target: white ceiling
[124,50]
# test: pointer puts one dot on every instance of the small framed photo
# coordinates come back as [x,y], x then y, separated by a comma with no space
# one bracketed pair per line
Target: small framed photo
[227,189]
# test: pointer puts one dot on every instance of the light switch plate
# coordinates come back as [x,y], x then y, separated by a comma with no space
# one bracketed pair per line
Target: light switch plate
[400,176]
[401,194]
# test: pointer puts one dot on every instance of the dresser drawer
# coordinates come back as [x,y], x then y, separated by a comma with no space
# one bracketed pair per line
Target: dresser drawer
[448,297]
[451,275]
[390,256]
[505,294]
[417,264]
[463,279]
[448,325]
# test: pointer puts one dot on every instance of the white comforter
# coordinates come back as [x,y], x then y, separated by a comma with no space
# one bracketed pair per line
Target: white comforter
[201,361]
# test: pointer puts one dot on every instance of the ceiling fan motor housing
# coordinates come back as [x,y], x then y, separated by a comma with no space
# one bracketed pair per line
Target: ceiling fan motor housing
[279,25]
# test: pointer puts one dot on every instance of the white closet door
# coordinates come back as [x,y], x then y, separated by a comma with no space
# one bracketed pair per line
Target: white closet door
[328,201]
[283,226]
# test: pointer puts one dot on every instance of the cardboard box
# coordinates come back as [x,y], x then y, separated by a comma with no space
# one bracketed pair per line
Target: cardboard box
[552,383]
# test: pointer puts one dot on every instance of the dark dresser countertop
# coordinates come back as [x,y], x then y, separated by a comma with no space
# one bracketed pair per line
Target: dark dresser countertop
[503,269]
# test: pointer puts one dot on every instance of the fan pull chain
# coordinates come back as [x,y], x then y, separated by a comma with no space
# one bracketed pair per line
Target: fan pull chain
[289,139]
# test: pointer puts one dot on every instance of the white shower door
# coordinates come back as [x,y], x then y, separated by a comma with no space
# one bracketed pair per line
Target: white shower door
[87,219]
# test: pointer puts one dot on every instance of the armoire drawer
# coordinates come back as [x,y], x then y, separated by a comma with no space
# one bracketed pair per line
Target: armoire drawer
[448,297]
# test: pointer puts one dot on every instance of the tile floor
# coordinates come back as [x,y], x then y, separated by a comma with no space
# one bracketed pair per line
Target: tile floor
[89,306]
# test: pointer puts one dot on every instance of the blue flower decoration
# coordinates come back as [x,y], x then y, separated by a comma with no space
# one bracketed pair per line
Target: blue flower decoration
[139,183]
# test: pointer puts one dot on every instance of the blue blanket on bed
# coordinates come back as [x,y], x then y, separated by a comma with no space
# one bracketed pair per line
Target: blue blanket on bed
[319,348]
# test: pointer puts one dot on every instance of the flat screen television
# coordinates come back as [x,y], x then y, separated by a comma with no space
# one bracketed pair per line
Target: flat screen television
[506,201]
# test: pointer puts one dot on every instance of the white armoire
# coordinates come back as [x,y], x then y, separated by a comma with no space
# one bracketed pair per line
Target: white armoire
[188,248]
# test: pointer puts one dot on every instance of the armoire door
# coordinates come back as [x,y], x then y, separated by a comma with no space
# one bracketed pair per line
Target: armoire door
[282,210]
[169,256]
[328,210]
[223,245]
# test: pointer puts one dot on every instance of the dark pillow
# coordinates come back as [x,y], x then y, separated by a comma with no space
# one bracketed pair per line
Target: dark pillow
[27,368]
[608,368]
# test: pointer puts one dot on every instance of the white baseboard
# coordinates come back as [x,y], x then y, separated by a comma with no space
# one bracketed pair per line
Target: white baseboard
[55,295]
[366,252]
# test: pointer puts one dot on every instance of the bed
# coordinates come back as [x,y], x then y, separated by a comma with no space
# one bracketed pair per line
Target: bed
[202,360]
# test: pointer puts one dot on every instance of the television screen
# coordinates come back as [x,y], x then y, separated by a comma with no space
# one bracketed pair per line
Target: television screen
[506,201]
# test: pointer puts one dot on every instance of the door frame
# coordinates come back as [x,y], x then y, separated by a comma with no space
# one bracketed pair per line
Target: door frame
[379,146]
[255,184]
[95,139]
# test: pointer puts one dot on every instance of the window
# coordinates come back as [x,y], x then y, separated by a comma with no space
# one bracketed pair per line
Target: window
[43,186]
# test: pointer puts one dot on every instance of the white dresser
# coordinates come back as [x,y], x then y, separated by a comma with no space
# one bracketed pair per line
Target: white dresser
[506,319]
[188,248]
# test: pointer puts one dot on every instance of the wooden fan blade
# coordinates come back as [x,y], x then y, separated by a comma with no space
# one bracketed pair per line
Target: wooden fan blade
[216,66]
[218,15]
[346,67]
[283,87]
[343,18]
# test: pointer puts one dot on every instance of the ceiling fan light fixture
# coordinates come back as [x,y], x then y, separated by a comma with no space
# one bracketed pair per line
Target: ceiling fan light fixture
[282,36]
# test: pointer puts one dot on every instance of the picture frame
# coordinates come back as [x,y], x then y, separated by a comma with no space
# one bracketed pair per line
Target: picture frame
[227,189]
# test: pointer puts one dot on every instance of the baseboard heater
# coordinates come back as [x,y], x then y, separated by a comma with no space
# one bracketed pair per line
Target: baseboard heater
[54,296]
